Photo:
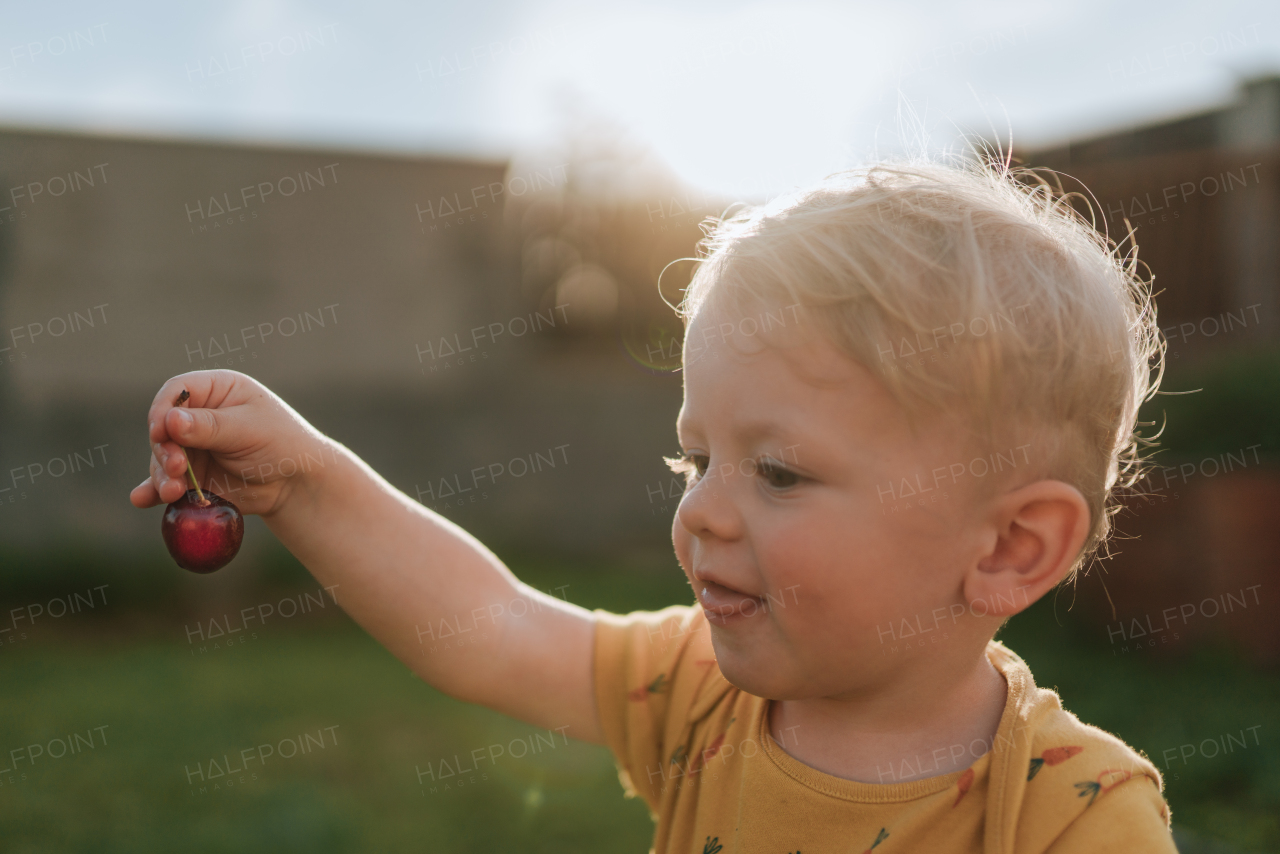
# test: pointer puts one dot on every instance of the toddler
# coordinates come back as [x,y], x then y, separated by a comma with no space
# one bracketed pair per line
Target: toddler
[910,392]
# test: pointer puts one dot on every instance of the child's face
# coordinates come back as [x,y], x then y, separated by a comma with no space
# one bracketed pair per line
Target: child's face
[796,536]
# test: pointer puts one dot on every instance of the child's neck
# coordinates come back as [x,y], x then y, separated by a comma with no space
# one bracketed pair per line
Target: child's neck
[908,732]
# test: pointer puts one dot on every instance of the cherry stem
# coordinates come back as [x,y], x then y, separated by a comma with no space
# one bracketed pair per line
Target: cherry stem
[190,471]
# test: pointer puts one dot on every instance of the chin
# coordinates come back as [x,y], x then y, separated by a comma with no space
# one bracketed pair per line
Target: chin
[764,676]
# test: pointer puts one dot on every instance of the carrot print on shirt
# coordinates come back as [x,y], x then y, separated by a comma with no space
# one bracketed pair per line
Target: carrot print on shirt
[713,748]
[1052,756]
[1105,782]
[880,837]
[964,783]
[657,686]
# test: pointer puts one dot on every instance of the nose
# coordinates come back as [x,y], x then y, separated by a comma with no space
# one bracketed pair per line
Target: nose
[709,508]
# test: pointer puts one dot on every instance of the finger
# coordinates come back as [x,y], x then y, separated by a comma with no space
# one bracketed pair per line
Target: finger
[172,485]
[168,458]
[167,398]
[172,458]
[144,495]
[223,430]
[204,387]
[172,489]
[174,463]
[162,454]
[169,485]
[158,476]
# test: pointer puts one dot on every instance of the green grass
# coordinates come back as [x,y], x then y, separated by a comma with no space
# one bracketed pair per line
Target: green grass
[166,709]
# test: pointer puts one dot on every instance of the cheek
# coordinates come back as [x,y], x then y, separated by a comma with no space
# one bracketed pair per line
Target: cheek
[805,561]
[683,542]
[830,568]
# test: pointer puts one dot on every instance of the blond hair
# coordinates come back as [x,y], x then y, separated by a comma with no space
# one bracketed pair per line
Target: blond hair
[898,263]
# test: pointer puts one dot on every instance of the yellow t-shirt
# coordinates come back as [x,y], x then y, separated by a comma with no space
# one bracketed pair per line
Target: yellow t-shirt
[698,750]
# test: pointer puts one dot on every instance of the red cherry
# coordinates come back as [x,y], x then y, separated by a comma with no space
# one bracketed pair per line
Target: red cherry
[202,537]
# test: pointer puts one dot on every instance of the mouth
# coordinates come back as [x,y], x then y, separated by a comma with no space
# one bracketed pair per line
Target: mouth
[726,606]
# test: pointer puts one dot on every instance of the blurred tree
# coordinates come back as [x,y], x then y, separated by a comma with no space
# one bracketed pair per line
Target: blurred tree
[601,239]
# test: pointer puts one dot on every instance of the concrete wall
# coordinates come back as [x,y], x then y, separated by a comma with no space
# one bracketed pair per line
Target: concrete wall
[342,279]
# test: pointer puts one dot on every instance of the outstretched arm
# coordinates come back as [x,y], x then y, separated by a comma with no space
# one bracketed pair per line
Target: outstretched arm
[403,572]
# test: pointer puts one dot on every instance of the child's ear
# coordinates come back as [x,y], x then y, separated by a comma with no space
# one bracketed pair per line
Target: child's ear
[1035,535]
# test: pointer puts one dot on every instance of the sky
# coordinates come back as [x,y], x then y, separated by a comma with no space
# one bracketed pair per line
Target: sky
[747,98]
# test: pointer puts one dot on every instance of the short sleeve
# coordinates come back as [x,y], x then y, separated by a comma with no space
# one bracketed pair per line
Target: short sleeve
[1132,818]
[650,668]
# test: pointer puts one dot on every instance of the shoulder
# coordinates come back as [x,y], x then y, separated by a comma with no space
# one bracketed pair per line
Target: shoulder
[1056,768]
[1074,759]
[667,654]
[655,675]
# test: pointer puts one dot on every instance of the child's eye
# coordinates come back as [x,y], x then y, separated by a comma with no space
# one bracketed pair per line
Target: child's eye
[692,466]
[777,475]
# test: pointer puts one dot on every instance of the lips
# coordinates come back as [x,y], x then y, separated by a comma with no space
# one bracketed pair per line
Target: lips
[724,605]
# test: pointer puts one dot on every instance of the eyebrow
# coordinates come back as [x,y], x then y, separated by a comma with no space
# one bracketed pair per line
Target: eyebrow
[754,431]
